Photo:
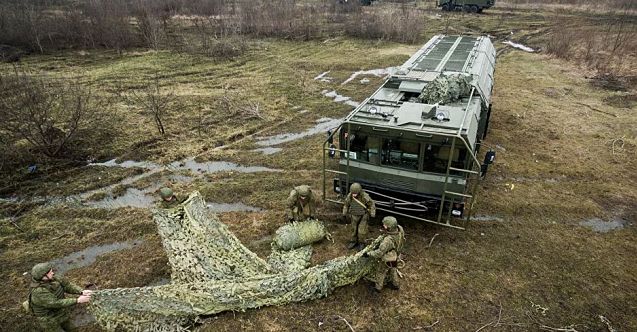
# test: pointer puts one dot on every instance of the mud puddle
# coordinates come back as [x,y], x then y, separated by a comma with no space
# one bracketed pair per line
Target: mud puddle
[519,46]
[602,226]
[375,72]
[322,125]
[133,197]
[323,77]
[217,166]
[88,256]
[339,98]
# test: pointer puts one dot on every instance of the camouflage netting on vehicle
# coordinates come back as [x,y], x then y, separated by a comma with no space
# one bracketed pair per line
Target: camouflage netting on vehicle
[446,89]
[214,272]
[299,234]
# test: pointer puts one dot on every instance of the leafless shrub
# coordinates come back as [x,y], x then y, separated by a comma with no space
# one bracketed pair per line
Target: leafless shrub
[279,18]
[603,47]
[214,37]
[152,101]
[24,25]
[401,25]
[56,118]
[108,24]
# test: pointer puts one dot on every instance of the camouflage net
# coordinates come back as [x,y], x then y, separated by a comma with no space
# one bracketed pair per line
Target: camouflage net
[213,272]
[446,89]
[299,234]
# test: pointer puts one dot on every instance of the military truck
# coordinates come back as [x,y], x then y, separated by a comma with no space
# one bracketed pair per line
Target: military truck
[469,6]
[414,143]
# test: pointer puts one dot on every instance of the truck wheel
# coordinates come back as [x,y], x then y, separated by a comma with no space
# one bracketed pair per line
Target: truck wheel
[466,8]
[474,9]
[445,7]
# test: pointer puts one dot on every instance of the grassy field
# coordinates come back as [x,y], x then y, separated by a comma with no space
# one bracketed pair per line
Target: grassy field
[567,154]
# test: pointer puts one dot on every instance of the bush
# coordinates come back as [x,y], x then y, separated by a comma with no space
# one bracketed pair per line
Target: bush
[404,25]
[55,118]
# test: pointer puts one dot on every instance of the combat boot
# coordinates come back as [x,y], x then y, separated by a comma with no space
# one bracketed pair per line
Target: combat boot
[351,245]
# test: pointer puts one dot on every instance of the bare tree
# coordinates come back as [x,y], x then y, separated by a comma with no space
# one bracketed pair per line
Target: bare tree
[47,114]
[153,101]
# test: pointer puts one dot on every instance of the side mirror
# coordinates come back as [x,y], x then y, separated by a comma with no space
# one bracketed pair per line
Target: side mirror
[489,158]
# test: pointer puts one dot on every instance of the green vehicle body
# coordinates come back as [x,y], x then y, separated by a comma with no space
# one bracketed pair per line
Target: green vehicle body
[414,158]
[474,6]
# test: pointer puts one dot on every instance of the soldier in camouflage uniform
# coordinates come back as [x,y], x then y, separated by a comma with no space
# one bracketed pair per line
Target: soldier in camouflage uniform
[168,198]
[358,208]
[47,301]
[388,255]
[300,204]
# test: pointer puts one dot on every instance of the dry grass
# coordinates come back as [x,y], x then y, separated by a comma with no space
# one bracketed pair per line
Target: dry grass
[566,153]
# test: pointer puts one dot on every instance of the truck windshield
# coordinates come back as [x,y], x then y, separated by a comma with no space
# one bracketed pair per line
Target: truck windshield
[436,157]
[401,154]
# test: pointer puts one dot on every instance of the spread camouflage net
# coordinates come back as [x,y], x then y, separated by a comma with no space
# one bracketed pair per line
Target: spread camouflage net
[213,272]
[289,261]
[446,89]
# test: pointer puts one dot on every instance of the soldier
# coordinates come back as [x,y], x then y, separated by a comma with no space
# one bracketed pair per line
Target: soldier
[47,301]
[388,254]
[358,208]
[168,199]
[300,204]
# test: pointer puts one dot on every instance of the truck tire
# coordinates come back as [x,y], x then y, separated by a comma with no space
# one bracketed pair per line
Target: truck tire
[445,7]
[474,9]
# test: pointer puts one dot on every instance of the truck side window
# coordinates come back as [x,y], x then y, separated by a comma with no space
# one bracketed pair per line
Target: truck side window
[400,154]
[364,148]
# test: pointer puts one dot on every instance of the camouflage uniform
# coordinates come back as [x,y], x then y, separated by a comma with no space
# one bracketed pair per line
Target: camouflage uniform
[388,254]
[298,209]
[358,214]
[174,201]
[48,304]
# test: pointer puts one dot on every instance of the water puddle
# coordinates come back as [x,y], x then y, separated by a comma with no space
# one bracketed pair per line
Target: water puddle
[127,164]
[339,98]
[88,256]
[600,226]
[268,150]
[323,77]
[486,218]
[519,46]
[376,72]
[217,166]
[232,207]
[131,198]
[322,125]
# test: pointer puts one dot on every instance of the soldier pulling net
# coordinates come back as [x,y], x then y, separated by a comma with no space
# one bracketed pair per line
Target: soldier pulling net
[212,271]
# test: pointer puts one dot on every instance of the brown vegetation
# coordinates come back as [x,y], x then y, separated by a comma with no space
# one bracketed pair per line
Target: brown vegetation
[56,118]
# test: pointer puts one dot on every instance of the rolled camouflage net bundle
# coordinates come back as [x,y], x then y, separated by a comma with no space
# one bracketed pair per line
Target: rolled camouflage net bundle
[446,89]
[214,272]
[299,234]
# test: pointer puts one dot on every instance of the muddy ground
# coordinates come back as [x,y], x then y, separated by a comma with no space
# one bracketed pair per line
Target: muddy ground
[552,247]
